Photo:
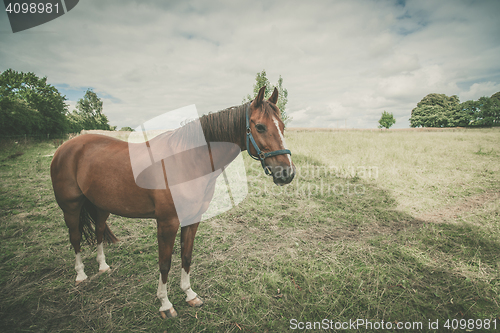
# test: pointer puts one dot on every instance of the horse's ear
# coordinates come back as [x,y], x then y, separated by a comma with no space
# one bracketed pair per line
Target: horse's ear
[260,97]
[274,97]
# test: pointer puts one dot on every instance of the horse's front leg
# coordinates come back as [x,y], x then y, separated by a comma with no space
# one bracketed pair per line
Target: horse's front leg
[167,230]
[187,242]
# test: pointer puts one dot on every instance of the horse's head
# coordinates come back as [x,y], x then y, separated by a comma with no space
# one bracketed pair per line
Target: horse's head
[264,139]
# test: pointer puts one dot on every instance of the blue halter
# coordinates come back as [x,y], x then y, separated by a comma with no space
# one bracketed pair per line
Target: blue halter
[260,154]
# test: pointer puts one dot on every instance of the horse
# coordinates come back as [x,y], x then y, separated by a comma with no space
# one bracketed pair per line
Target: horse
[92,177]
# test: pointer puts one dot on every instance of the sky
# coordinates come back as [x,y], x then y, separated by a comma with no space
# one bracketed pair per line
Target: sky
[342,62]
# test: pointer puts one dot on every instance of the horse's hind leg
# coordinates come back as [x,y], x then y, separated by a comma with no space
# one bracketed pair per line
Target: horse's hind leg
[75,236]
[187,242]
[100,218]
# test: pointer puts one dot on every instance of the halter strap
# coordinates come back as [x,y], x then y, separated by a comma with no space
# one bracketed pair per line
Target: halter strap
[260,154]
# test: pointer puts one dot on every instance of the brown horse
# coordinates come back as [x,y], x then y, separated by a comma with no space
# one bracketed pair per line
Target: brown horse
[93,176]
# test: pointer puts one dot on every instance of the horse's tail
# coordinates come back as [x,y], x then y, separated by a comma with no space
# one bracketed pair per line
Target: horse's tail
[87,222]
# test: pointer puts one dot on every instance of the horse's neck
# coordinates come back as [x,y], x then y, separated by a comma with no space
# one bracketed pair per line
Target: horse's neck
[223,132]
[223,148]
[223,153]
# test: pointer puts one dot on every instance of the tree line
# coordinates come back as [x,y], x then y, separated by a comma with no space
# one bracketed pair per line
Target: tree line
[439,110]
[31,106]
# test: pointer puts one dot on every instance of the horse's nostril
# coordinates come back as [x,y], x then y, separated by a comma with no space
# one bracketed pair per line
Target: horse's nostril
[285,173]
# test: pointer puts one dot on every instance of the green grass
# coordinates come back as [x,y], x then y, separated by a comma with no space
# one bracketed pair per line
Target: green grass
[416,240]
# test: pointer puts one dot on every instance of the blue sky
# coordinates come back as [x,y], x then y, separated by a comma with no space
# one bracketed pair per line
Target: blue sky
[343,62]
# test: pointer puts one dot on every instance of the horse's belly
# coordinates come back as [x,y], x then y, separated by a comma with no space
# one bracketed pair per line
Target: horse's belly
[110,185]
[192,198]
[121,200]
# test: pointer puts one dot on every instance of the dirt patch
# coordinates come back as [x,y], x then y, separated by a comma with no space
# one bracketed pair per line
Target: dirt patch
[466,205]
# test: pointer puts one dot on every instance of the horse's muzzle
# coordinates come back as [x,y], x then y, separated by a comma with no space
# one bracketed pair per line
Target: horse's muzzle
[283,175]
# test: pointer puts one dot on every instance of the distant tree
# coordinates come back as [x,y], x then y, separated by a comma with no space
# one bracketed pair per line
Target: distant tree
[387,120]
[489,112]
[88,114]
[439,110]
[483,112]
[260,81]
[126,128]
[495,108]
[28,105]
[466,114]
[435,110]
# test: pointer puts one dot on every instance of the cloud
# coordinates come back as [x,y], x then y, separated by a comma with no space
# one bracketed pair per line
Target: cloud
[347,60]
[478,90]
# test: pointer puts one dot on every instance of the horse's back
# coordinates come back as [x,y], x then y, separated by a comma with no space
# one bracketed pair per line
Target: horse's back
[73,161]
[68,156]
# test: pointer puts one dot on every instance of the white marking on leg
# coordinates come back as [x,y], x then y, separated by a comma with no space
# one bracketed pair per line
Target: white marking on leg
[79,267]
[101,259]
[283,145]
[162,295]
[186,286]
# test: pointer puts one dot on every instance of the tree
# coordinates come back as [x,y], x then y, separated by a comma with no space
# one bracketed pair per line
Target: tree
[18,118]
[466,114]
[88,114]
[439,110]
[387,120]
[260,81]
[489,114]
[484,116]
[495,108]
[127,129]
[28,105]
[483,112]
[435,110]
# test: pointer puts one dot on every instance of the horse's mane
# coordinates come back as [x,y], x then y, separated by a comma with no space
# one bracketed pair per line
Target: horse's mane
[227,125]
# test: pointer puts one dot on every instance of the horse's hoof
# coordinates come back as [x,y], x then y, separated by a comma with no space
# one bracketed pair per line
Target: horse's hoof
[79,281]
[104,270]
[195,302]
[170,313]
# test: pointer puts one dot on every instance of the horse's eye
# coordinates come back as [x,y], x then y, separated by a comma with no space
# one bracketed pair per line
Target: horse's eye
[260,128]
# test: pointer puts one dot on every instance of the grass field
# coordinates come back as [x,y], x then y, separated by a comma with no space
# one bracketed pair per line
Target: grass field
[399,227]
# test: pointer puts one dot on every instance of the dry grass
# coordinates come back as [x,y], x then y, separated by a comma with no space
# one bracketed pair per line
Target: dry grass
[423,170]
